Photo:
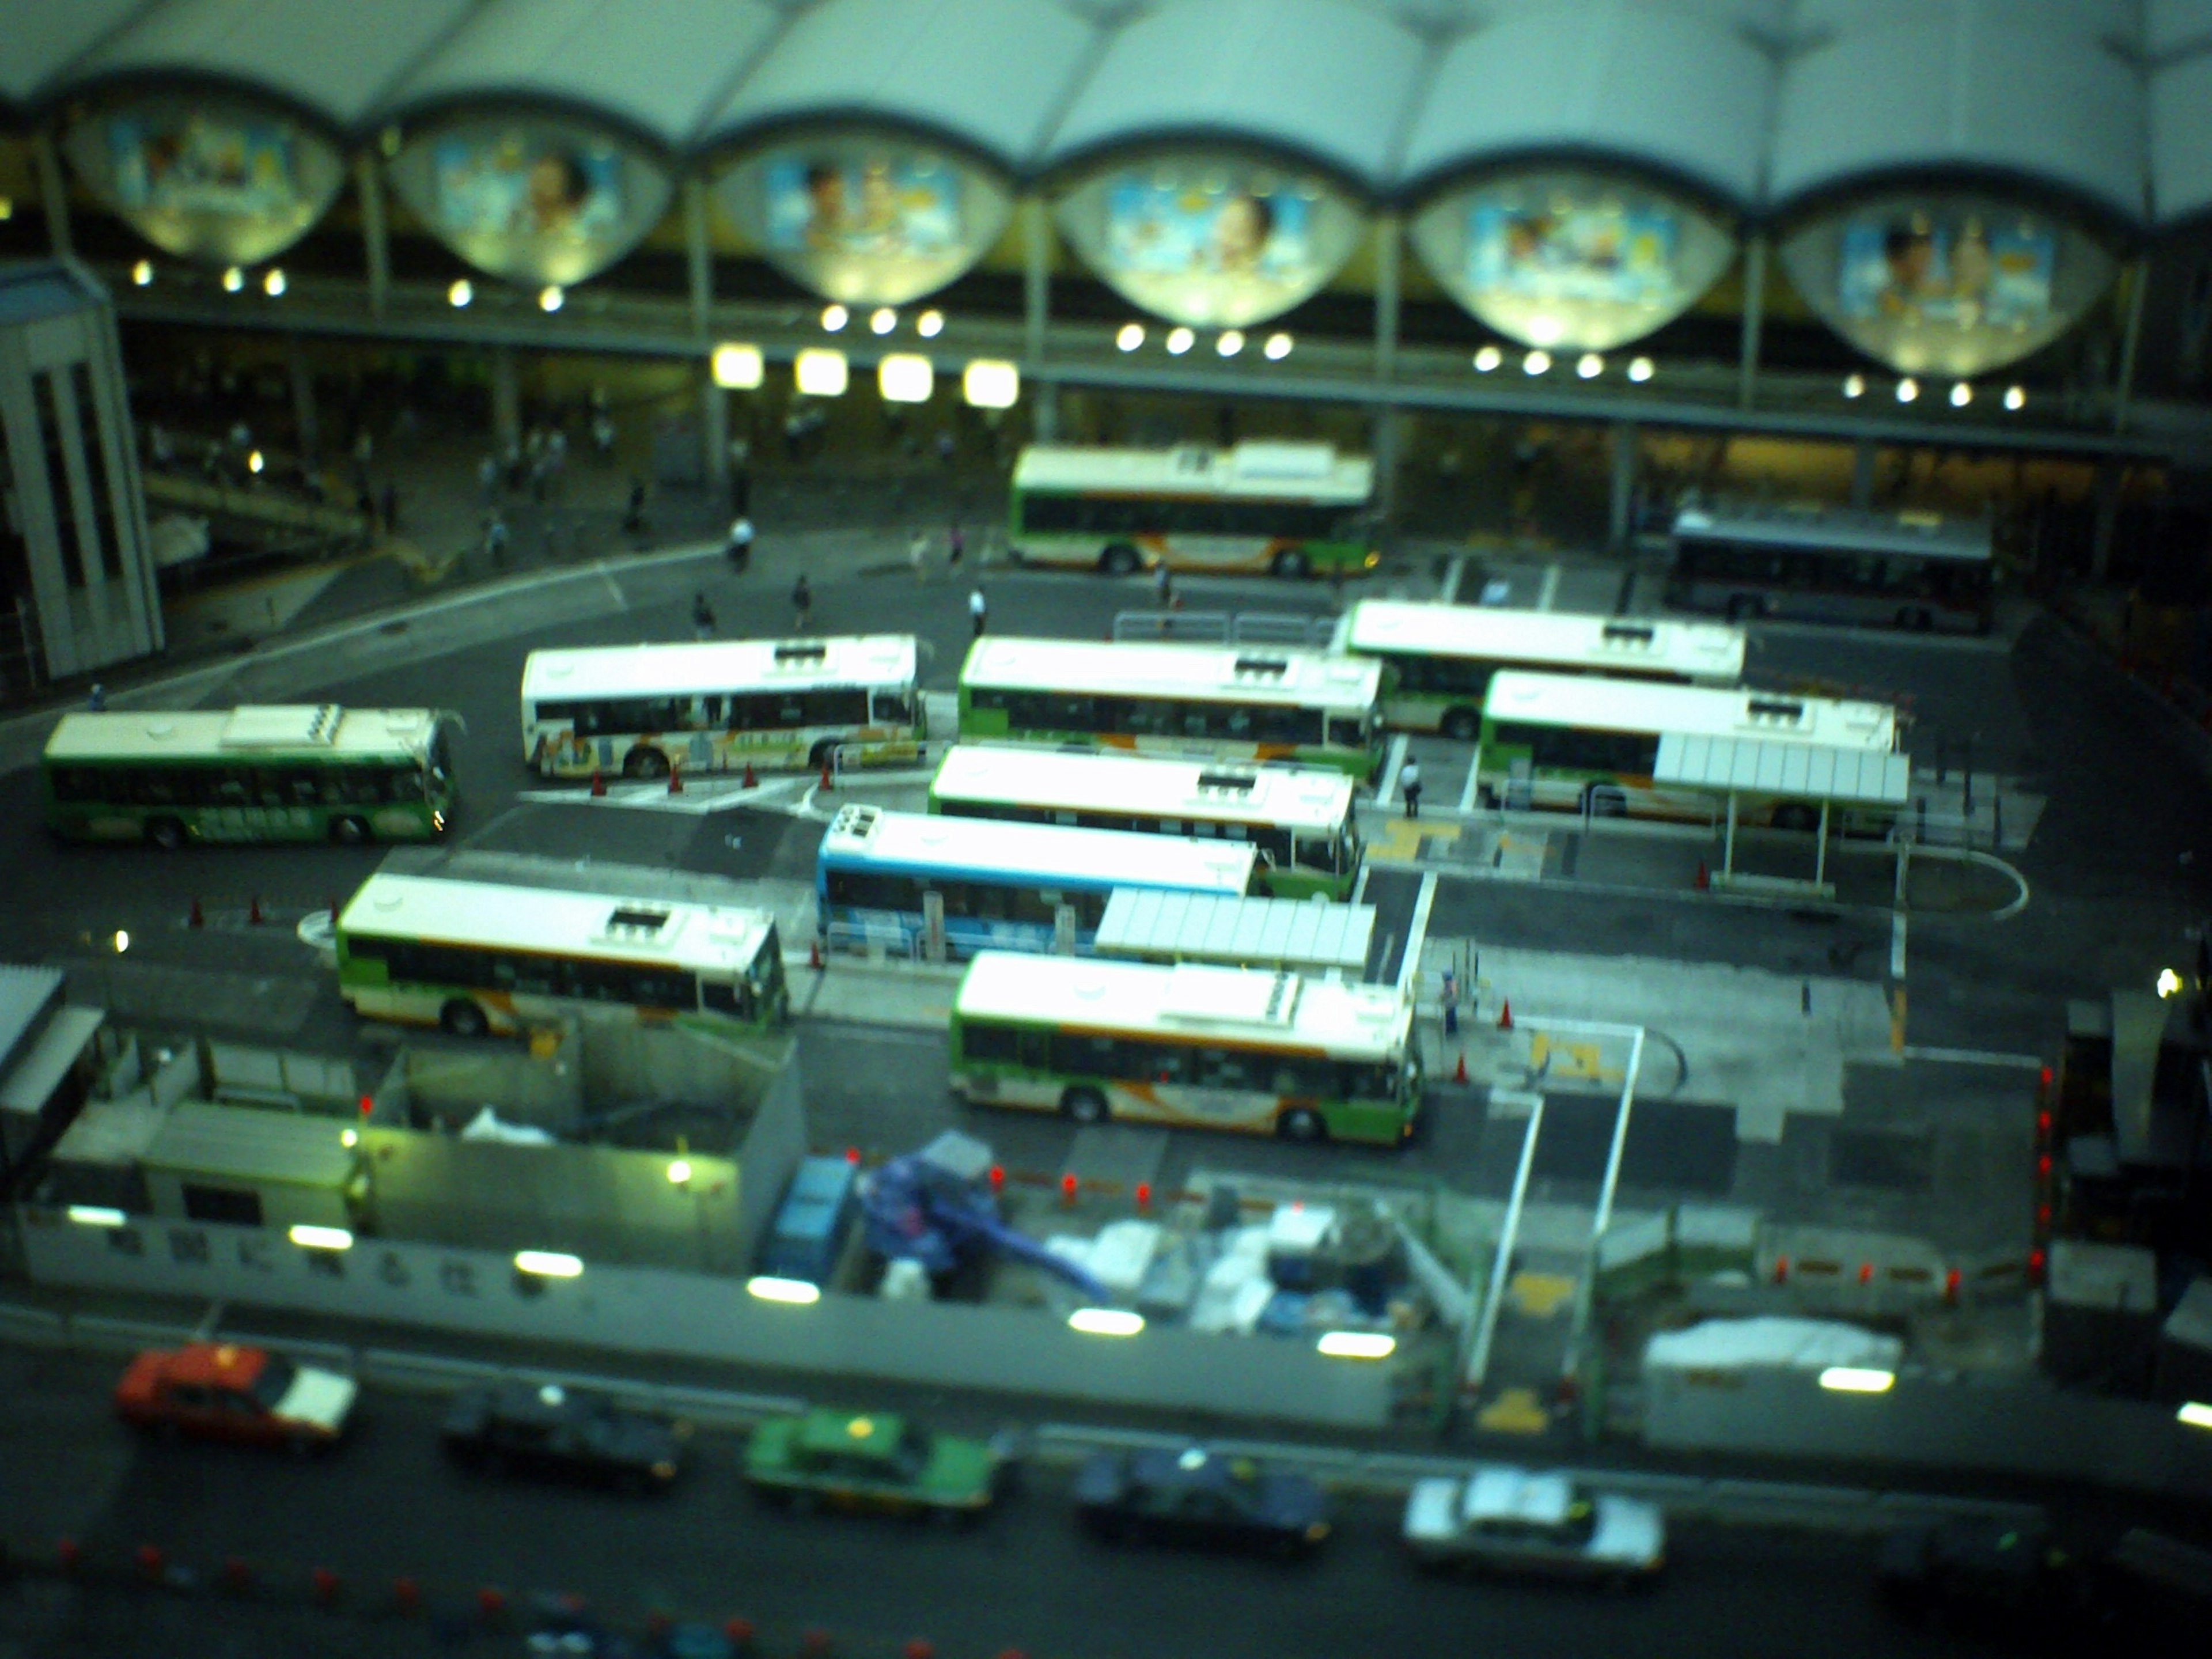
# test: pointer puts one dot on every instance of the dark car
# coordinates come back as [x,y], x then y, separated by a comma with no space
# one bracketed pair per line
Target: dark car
[1203,1497]
[566,1433]
[2003,1577]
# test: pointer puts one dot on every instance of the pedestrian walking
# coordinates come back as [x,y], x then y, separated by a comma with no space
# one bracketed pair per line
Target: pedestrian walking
[496,541]
[602,434]
[740,547]
[802,604]
[703,617]
[979,610]
[917,555]
[1163,584]
[96,699]
[956,549]
[1409,786]
[634,517]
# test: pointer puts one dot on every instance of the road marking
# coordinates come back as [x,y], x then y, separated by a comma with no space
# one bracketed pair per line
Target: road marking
[1550,591]
[1540,1295]
[1453,572]
[1974,1057]
[613,587]
[1391,767]
[1418,931]
[1359,887]
[1514,1411]
[1473,777]
[1896,945]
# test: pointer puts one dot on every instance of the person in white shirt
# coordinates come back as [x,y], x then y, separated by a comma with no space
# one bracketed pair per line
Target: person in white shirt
[1409,786]
[979,610]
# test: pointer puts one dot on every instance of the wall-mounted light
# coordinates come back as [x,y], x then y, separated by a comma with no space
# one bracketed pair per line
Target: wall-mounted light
[2168,983]
[1130,336]
[460,294]
[1180,340]
[2015,398]
[320,1239]
[793,1293]
[142,273]
[929,324]
[679,1172]
[1487,359]
[1855,386]
[1536,362]
[254,461]
[1231,343]
[906,377]
[1357,1345]
[96,1215]
[550,299]
[1907,390]
[882,321]
[2196,1414]
[1106,1321]
[738,368]
[820,373]
[1590,366]
[348,1138]
[1961,395]
[1640,369]
[548,1264]
[1278,347]
[834,318]
[1856,1379]
[233,280]
[272,282]
[122,940]
[990,384]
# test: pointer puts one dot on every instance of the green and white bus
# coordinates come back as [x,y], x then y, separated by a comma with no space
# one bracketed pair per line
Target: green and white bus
[1576,743]
[1440,657]
[1191,1045]
[1209,702]
[272,772]
[1301,821]
[476,956]
[1288,509]
[720,706]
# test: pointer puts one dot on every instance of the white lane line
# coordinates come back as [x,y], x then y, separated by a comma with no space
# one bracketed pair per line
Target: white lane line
[1391,767]
[1896,945]
[1450,592]
[1550,591]
[1975,1057]
[1474,776]
[1410,965]
[1359,887]
[614,588]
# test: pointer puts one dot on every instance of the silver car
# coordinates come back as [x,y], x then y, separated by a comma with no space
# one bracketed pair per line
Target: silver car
[1504,1519]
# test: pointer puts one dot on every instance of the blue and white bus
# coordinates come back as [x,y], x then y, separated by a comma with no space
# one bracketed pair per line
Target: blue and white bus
[885,881]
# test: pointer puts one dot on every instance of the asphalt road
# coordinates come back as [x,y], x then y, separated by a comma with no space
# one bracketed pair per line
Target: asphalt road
[387,1505]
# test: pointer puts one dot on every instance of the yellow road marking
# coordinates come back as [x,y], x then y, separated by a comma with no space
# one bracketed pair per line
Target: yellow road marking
[1401,840]
[1515,1411]
[1540,1295]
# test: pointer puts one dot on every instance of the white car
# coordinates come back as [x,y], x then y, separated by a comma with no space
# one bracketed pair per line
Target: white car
[1514,1520]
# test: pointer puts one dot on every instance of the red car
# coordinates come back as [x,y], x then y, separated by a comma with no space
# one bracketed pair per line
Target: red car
[225,1391]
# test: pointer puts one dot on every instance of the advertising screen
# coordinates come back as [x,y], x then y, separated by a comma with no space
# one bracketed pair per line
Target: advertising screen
[201,164]
[883,208]
[1623,256]
[1961,269]
[1176,230]
[526,187]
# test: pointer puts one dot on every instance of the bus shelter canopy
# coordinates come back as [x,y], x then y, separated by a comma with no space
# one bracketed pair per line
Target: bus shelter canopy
[1851,777]
[1291,933]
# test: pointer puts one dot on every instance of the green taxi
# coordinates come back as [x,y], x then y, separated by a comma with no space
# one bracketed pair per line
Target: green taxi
[875,1460]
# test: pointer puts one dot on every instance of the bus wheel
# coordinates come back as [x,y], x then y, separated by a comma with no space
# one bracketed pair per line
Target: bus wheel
[1462,725]
[645,763]
[349,831]
[1084,1105]
[464,1019]
[166,833]
[1119,559]
[1302,1124]
[1290,564]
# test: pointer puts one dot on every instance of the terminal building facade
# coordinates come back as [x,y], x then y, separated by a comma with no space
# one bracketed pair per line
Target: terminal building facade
[1855,238]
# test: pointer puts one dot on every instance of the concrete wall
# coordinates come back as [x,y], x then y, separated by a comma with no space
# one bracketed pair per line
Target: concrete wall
[648,1310]
[774,1141]
[2027,1426]
[245,1071]
[544,1090]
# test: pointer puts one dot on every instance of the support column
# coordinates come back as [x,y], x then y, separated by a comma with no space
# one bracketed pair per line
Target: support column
[1387,243]
[506,399]
[1044,412]
[1036,282]
[699,259]
[53,194]
[1620,526]
[305,419]
[1865,458]
[1754,320]
[714,429]
[1820,857]
[1728,847]
[2123,384]
[375,234]
[1388,445]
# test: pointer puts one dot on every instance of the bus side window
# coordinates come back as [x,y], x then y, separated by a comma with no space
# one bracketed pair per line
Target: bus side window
[1345,732]
[890,709]
[1036,1050]
[980,1041]
[718,998]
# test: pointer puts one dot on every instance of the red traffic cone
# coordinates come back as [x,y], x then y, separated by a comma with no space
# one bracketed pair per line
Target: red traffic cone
[1705,878]
[1458,1071]
[675,780]
[1505,1014]
[814,955]
[197,919]
[253,911]
[598,782]
[826,784]
[753,781]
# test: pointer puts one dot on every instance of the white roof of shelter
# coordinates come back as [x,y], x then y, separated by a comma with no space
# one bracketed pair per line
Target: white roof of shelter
[1847,776]
[1789,1344]
[1288,932]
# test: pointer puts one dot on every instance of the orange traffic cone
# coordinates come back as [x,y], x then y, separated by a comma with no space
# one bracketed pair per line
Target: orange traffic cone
[253,911]
[675,780]
[1505,1015]
[1458,1071]
[814,955]
[196,919]
[826,785]
[598,782]
[753,781]
[1705,878]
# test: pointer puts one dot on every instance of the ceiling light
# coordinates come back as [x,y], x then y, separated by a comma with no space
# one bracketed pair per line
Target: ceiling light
[1590,366]
[1856,1379]
[819,374]
[233,280]
[548,1264]
[1536,362]
[1907,390]
[929,324]
[1855,386]
[797,1292]
[96,1215]
[1179,341]
[989,384]
[1358,1345]
[1488,359]
[882,320]
[461,293]
[320,1239]
[834,318]
[550,298]
[1106,1321]
[738,368]
[905,377]
[1278,347]
[1640,369]
[142,273]
[1130,336]
[2015,398]
[272,282]
[1961,395]
[1231,343]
